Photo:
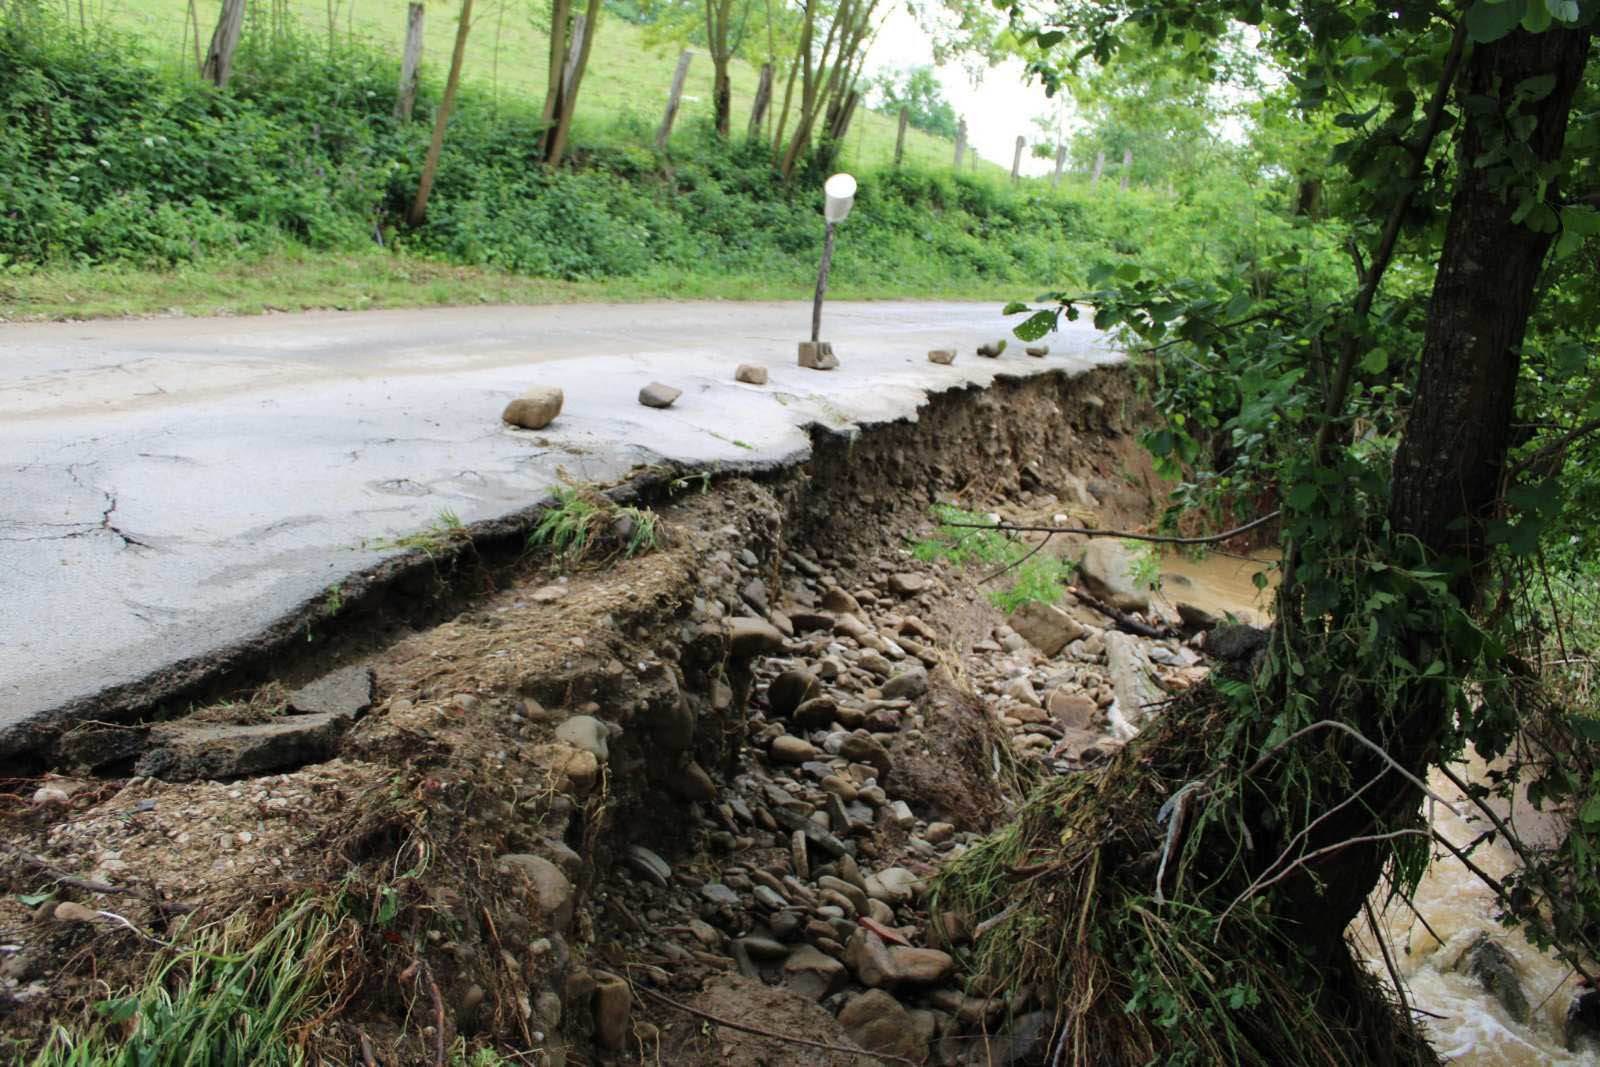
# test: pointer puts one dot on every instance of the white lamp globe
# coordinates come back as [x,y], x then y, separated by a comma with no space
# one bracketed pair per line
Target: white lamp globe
[839,193]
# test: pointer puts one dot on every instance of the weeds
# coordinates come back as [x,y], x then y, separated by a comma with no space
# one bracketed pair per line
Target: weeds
[447,529]
[581,521]
[229,999]
[1036,576]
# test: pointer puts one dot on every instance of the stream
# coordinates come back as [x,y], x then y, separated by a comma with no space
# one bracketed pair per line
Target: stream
[1472,1027]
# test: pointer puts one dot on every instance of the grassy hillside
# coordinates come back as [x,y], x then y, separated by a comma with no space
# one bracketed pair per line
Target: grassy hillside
[132,188]
[627,79]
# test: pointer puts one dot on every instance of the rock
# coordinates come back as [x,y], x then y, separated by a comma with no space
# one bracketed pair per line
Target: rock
[868,959]
[751,637]
[1235,643]
[580,768]
[656,395]
[892,885]
[1021,690]
[1487,961]
[649,864]
[943,356]
[551,891]
[535,409]
[815,714]
[764,948]
[1106,570]
[877,1022]
[692,783]
[907,584]
[188,750]
[789,690]
[720,895]
[1075,711]
[900,813]
[908,685]
[1133,681]
[817,355]
[71,912]
[587,733]
[919,966]
[839,602]
[1195,618]
[864,748]
[347,691]
[1025,1040]
[812,974]
[991,350]
[751,374]
[1038,351]
[549,594]
[1046,627]
[786,748]
[940,832]
[1583,1018]
[613,1004]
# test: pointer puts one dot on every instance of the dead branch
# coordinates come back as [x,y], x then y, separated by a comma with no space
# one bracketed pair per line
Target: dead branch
[1125,622]
[785,1038]
[1362,738]
[1159,539]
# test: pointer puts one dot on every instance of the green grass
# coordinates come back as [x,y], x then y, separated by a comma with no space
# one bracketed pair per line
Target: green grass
[627,76]
[581,520]
[1035,577]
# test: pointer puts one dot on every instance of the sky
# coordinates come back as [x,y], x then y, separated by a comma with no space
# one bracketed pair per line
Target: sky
[997,109]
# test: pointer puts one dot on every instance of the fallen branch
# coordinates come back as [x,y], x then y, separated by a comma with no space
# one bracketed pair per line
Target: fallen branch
[759,1032]
[1159,539]
[1125,622]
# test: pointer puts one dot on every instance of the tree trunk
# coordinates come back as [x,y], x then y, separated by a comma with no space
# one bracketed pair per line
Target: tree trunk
[758,109]
[441,119]
[219,57]
[900,138]
[410,64]
[1061,161]
[584,27]
[722,96]
[1127,167]
[1016,159]
[961,141]
[674,96]
[1447,471]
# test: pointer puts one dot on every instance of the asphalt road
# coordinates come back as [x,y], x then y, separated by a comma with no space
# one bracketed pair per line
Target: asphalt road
[169,487]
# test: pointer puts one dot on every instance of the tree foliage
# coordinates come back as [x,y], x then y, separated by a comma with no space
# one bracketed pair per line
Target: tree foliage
[918,91]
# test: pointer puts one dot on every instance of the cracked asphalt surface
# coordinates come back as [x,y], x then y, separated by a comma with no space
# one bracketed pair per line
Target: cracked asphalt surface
[169,487]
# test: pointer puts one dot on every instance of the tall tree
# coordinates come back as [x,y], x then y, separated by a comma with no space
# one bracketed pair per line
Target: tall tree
[1203,883]
[441,119]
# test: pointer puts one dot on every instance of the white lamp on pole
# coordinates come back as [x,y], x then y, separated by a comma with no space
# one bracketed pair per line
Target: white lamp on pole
[838,195]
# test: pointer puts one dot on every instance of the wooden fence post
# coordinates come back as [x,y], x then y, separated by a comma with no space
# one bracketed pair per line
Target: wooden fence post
[672,100]
[410,64]
[1127,165]
[219,57]
[1099,168]
[1016,159]
[1061,161]
[900,137]
[961,141]
[758,110]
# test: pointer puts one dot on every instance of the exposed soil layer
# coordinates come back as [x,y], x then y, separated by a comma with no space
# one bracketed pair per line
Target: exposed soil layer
[719,772]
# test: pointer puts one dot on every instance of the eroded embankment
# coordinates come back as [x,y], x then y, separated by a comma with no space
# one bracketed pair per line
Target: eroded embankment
[711,777]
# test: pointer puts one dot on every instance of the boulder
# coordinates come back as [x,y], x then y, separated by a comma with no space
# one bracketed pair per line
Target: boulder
[908,685]
[810,973]
[816,713]
[1487,961]
[907,584]
[189,750]
[343,692]
[878,1023]
[1046,627]
[1133,680]
[1073,710]
[751,374]
[587,733]
[1038,351]
[552,892]
[751,637]
[534,409]
[817,355]
[919,966]
[1106,571]
[942,356]
[864,748]
[789,690]
[786,748]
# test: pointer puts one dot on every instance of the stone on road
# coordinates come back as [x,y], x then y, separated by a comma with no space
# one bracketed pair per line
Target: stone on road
[175,488]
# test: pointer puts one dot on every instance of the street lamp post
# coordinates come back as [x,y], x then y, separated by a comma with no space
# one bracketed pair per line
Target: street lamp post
[839,193]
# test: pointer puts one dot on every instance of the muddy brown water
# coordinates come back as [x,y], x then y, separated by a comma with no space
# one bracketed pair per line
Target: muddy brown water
[1472,1028]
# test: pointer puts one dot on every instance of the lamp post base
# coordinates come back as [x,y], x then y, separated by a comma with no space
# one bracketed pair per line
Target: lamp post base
[818,355]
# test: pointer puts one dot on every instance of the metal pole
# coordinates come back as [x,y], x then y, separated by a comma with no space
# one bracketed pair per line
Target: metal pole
[822,283]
